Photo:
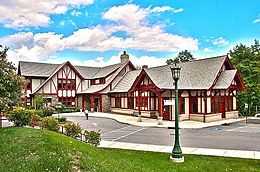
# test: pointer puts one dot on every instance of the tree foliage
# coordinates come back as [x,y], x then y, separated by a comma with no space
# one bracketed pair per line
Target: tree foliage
[247,60]
[10,82]
[183,56]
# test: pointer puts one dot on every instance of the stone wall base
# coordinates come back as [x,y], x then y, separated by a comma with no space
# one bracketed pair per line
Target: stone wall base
[207,118]
[232,114]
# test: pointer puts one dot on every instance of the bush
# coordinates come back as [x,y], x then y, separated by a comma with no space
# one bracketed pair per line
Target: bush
[61,119]
[39,102]
[72,129]
[35,120]
[50,123]
[92,137]
[48,111]
[20,117]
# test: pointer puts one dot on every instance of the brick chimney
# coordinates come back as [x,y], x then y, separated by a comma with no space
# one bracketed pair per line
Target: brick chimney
[124,57]
[145,67]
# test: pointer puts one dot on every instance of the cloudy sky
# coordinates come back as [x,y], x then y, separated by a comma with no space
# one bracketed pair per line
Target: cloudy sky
[95,32]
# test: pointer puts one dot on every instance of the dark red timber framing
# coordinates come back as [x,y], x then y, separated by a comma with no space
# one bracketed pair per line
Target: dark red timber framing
[221,100]
[96,102]
[147,92]
[65,88]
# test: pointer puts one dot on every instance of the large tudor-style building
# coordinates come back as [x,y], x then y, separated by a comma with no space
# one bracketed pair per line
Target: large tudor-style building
[207,88]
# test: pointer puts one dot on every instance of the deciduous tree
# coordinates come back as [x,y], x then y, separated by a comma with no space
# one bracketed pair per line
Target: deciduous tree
[247,61]
[183,56]
[10,83]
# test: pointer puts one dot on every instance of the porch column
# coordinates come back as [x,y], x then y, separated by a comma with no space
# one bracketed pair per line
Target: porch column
[100,103]
[92,103]
[160,105]
[83,102]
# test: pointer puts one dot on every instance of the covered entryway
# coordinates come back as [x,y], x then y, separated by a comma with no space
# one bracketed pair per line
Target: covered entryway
[95,103]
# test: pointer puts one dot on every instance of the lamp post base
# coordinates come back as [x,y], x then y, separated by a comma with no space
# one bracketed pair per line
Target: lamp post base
[177,160]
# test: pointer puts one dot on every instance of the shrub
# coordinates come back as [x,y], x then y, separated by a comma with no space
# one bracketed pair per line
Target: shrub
[35,120]
[50,123]
[92,137]
[48,111]
[72,129]
[61,119]
[39,102]
[20,117]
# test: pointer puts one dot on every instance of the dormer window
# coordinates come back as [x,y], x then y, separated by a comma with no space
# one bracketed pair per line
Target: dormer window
[97,81]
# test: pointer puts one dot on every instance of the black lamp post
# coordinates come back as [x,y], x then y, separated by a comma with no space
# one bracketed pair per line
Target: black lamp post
[176,155]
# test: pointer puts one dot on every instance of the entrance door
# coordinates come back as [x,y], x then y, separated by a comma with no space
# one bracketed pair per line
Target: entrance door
[166,112]
[96,104]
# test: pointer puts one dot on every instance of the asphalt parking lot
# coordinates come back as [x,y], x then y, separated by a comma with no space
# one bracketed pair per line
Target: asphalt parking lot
[237,136]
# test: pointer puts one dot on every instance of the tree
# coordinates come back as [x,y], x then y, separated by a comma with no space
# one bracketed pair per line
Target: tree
[247,60]
[183,56]
[10,83]
[39,102]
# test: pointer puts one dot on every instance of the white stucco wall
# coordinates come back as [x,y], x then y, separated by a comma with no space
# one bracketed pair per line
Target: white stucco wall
[234,103]
[208,105]
[35,83]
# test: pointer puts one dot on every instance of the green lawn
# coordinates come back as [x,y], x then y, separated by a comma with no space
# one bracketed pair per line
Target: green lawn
[23,149]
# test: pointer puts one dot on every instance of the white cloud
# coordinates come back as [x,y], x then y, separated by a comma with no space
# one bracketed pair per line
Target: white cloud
[140,35]
[257,20]
[32,47]
[34,13]
[162,9]
[207,50]
[129,14]
[75,13]
[145,36]
[151,61]
[220,41]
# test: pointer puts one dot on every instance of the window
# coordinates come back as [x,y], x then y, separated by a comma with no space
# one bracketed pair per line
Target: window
[216,103]
[67,101]
[97,81]
[182,105]
[229,103]
[118,102]
[131,102]
[194,104]
[69,84]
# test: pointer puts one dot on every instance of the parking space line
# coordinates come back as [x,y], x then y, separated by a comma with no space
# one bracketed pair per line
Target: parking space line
[112,131]
[235,129]
[129,134]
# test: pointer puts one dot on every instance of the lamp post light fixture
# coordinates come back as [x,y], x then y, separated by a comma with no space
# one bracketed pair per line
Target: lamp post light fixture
[176,155]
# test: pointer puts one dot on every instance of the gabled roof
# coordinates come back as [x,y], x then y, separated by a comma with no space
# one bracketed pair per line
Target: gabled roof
[225,79]
[105,71]
[87,72]
[35,69]
[101,87]
[197,74]
[54,72]
[126,82]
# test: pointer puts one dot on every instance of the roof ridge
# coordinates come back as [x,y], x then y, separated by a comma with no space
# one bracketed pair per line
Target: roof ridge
[40,62]
[195,60]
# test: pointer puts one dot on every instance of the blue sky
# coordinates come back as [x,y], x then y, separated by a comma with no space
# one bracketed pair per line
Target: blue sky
[95,32]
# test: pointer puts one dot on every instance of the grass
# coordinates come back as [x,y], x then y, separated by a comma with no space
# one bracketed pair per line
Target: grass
[24,149]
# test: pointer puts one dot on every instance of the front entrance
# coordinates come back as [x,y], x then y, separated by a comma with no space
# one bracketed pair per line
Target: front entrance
[166,113]
[95,103]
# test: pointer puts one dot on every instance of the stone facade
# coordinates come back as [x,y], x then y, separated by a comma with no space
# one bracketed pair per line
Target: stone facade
[105,103]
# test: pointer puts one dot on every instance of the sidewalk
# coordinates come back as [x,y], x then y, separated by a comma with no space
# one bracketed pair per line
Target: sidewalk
[185,150]
[148,122]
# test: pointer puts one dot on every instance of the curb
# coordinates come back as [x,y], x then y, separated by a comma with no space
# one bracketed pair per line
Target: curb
[186,150]
[150,126]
